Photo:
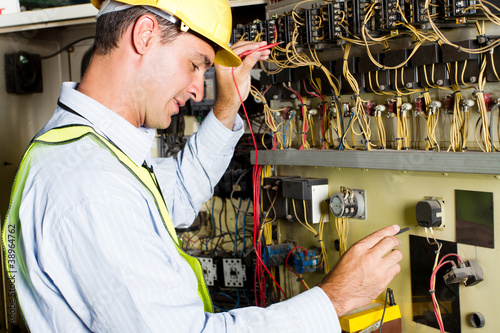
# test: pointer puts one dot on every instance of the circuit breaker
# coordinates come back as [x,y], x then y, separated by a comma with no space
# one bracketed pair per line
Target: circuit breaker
[209,270]
[234,272]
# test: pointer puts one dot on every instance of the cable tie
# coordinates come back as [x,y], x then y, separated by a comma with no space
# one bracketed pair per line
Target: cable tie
[426,139]
[301,104]
[322,103]
[432,291]
[382,147]
[399,138]
[399,96]
[356,95]
[302,132]
[459,48]
[406,148]
[299,279]
[320,240]
[479,91]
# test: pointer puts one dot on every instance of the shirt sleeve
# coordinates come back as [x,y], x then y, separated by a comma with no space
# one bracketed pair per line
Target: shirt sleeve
[120,275]
[188,181]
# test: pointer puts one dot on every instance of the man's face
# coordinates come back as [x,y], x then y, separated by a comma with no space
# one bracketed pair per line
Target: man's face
[174,74]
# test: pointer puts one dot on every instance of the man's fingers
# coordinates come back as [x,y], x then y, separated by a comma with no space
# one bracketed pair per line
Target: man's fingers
[391,272]
[385,245]
[373,239]
[244,46]
[393,257]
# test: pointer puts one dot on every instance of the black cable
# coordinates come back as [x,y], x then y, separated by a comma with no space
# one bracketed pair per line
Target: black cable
[66,47]
[387,292]
[232,193]
[225,218]
[220,217]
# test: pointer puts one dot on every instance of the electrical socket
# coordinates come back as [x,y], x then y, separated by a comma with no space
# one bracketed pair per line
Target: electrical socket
[430,212]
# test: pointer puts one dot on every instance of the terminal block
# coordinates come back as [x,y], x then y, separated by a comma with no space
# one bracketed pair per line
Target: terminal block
[307,262]
[469,272]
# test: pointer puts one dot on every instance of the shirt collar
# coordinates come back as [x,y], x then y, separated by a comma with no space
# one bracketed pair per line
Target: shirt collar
[135,142]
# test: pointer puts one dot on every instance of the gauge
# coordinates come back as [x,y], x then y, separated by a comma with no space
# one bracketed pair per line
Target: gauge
[337,205]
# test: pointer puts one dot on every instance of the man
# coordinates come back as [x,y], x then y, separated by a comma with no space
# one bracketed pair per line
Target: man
[95,248]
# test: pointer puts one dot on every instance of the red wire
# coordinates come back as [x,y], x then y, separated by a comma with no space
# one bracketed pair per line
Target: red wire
[450,255]
[433,276]
[311,93]
[256,207]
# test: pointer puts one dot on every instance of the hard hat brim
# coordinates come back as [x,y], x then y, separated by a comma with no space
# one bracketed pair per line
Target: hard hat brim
[225,56]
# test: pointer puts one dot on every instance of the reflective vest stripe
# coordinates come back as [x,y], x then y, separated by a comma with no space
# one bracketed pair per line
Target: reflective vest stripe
[67,134]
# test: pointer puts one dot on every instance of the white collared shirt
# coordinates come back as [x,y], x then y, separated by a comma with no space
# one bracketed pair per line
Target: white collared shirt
[97,254]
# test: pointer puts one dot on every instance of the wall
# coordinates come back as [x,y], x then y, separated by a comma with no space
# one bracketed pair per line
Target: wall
[22,116]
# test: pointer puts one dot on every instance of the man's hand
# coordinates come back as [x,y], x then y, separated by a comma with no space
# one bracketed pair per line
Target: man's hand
[228,102]
[364,271]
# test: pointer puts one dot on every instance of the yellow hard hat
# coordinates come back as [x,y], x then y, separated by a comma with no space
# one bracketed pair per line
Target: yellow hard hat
[210,18]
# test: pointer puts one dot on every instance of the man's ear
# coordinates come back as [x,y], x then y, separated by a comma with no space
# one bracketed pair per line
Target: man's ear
[143,32]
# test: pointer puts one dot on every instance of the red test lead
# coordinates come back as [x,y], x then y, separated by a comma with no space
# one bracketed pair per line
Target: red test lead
[262,48]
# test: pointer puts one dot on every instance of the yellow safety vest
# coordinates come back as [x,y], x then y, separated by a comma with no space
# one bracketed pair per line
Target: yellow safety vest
[63,135]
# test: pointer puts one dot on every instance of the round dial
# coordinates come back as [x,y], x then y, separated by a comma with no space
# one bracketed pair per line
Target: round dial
[337,205]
